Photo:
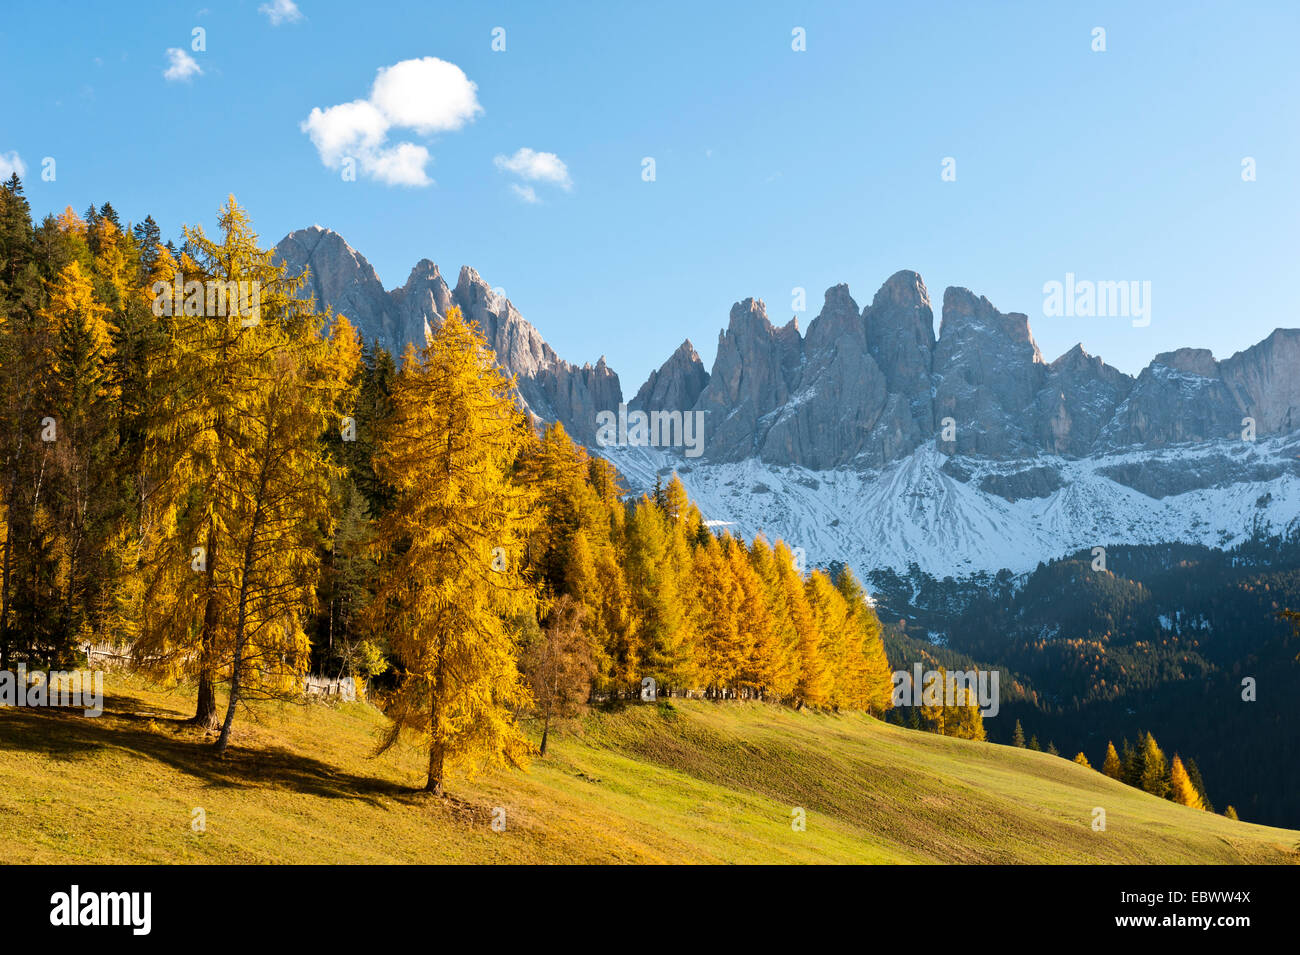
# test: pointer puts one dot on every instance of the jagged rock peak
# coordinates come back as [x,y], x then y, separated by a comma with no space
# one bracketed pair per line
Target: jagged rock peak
[425,269]
[749,311]
[1076,355]
[549,387]
[676,385]
[903,288]
[961,305]
[1194,361]
[838,295]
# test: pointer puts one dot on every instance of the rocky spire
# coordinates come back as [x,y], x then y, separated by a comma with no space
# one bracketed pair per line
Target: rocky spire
[676,385]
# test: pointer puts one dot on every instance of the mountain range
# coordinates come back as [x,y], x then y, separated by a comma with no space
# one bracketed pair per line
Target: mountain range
[869,439]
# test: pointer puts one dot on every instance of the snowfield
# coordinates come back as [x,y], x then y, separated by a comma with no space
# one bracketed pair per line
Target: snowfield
[917,510]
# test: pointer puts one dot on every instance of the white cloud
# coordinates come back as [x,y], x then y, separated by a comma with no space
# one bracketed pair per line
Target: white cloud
[181,66]
[281,11]
[345,130]
[400,165]
[533,166]
[526,193]
[11,163]
[427,95]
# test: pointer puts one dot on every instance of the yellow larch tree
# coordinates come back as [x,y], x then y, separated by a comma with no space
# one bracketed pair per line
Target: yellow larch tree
[758,634]
[813,683]
[830,620]
[1181,789]
[237,496]
[715,601]
[866,666]
[1112,766]
[782,668]
[451,588]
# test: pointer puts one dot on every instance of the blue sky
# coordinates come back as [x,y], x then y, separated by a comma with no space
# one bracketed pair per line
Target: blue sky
[775,169]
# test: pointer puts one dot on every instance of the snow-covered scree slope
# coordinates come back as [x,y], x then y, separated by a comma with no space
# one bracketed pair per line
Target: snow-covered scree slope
[959,516]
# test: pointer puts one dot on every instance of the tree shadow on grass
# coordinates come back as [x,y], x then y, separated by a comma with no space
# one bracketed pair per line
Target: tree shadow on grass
[134,726]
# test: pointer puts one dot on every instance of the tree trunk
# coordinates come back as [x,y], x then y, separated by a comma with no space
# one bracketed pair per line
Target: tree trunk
[224,739]
[205,715]
[434,784]
[546,731]
[4,588]
[437,751]
[241,621]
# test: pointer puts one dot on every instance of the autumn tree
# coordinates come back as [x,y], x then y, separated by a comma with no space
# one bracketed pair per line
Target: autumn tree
[1154,775]
[657,567]
[813,678]
[281,505]
[964,718]
[715,600]
[1181,789]
[780,658]
[450,554]
[1198,783]
[866,667]
[763,664]
[1112,766]
[559,665]
[830,621]
[229,551]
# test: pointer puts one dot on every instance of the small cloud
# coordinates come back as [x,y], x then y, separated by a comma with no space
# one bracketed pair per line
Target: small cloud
[400,165]
[533,166]
[181,66]
[526,193]
[347,129]
[427,95]
[281,11]
[11,163]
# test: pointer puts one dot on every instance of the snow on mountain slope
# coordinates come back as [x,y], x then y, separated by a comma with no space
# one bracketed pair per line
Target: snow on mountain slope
[938,512]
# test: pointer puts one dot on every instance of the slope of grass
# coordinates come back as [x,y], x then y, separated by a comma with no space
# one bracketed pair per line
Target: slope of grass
[681,782]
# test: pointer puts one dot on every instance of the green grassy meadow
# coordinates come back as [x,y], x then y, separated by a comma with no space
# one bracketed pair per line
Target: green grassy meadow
[679,782]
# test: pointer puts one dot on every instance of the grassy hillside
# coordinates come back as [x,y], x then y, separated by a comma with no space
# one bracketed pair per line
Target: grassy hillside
[685,782]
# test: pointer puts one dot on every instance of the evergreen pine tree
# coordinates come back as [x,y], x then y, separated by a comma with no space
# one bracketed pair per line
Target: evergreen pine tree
[1155,768]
